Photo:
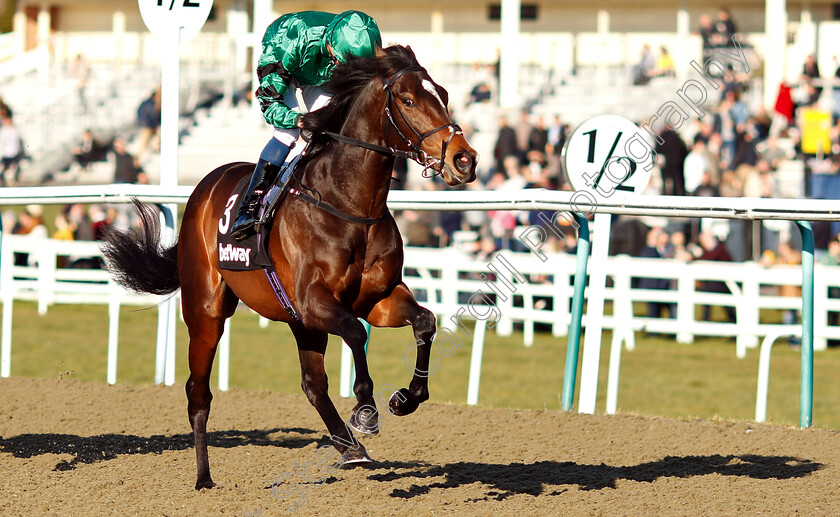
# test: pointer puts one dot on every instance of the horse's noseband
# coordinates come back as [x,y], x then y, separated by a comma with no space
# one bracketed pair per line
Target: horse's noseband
[419,155]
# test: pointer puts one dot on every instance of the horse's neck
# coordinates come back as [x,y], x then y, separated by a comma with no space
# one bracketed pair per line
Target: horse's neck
[352,178]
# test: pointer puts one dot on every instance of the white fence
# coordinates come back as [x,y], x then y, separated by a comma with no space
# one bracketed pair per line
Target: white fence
[523,289]
[444,280]
[43,277]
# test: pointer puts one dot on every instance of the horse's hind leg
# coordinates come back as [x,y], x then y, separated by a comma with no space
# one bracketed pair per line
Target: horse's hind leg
[397,310]
[311,347]
[205,329]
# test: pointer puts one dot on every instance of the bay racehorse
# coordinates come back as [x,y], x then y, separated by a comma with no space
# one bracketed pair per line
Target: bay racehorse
[340,258]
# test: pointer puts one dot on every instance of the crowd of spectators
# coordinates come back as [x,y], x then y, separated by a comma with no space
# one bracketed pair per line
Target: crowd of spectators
[734,151]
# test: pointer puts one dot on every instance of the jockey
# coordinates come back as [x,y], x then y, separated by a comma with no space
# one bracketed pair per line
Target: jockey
[300,51]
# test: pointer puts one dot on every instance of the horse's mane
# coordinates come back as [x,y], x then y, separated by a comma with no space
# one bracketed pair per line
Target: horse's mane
[347,82]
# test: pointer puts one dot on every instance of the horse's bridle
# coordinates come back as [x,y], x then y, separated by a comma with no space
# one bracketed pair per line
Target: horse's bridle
[415,153]
[423,158]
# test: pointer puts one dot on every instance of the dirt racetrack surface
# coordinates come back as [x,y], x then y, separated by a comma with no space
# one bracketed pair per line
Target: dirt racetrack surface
[71,448]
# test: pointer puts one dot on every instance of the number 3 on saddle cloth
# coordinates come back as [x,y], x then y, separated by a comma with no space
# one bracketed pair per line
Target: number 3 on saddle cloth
[251,254]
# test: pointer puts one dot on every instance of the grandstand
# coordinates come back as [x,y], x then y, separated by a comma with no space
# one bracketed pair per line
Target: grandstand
[573,59]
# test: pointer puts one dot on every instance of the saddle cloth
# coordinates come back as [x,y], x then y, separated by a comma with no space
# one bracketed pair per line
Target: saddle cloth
[252,253]
[248,254]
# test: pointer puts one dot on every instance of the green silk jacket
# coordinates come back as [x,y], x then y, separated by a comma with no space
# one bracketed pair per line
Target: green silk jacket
[296,42]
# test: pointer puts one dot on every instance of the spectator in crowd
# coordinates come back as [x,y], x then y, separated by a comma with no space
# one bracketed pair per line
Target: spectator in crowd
[11,151]
[807,92]
[557,135]
[745,151]
[63,230]
[788,256]
[696,165]
[505,144]
[678,249]
[77,216]
[730,185]
[835,105]
[672,151]
[126,167]
[148,120]
[421,229]
[810,69]
[480,93]
[103,218]
[770,151]
[523,134]
[714,250]
[5,110]
[725,28]
[31,223]
[707,186]
[655,247]
[87,151]
[832,258]
[664,64]
[80,72]
[765,178]
[725,124]
[642,70]
[708,32]
[538,143]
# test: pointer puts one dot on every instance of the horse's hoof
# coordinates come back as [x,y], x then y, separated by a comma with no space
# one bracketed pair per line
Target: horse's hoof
[402,403]
[357,457]
[369,426]
[204,483]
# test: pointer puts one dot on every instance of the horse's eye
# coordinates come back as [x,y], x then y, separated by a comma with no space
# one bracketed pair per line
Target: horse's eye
[408,103]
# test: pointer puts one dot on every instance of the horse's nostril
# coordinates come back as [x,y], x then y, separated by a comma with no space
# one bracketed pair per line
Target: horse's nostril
[463,162]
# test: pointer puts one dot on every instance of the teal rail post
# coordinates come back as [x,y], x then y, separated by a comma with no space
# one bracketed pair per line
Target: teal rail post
[573,346]
[806,390]
[367,342]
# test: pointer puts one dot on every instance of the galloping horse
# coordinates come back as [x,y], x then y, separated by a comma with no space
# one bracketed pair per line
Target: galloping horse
[340,257]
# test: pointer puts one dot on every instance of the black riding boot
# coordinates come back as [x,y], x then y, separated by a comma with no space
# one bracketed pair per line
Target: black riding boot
[264,174]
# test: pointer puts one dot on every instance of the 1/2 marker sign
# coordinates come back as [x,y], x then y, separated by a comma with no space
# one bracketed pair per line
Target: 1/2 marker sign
[184,17]
[609,156]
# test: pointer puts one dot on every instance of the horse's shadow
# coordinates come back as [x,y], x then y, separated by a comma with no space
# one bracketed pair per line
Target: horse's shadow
[538,478]
[504,480]
[91,449]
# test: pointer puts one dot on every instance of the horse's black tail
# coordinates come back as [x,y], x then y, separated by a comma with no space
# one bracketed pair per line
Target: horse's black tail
[136,259]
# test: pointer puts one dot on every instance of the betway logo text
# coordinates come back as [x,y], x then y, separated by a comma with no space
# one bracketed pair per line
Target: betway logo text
[231,253]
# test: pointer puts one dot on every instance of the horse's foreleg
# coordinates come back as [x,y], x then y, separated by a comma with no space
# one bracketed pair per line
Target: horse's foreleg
[322,311]
[311,347]
[397,310]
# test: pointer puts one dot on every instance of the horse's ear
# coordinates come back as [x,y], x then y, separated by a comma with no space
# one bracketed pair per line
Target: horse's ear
[379,52]
[411,53]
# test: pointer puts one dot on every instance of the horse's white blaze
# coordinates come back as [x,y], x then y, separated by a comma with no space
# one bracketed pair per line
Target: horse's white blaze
[427,84]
